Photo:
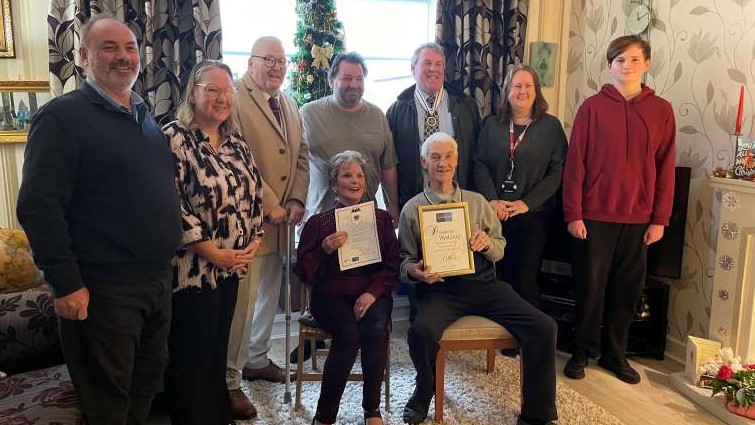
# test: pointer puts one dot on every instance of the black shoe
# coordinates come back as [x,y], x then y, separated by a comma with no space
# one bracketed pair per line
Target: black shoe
[527,421]
[510,352]
[371,414]
[575,367]
[294,356]
[620,368]
[415,411]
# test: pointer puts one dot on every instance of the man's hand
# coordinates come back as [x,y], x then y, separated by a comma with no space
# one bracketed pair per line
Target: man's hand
[277,215]
[516,207]
[295,211]
[73,306]
[363,303]
[577,229]
[423,273]
[334,241]
[479,241]
[653,234]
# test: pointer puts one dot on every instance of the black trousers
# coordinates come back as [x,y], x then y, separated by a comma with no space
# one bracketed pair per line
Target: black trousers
[609,269]
[526,235]
[198,343]
[535,331]
[117,356]
[335,315]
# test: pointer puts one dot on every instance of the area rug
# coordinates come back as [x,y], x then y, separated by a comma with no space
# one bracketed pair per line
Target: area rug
[473,397]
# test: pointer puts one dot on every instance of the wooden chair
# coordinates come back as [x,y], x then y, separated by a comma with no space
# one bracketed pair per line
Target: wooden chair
[314,334]
[469,333]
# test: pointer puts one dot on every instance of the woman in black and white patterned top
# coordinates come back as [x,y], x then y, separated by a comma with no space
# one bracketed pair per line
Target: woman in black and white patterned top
[221,205]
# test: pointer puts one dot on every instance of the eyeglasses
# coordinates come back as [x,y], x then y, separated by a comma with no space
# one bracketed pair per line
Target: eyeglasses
[215,91]
[271,62]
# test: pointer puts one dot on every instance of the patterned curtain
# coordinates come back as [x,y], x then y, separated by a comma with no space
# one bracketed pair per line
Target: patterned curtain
[173,35]
[481,39]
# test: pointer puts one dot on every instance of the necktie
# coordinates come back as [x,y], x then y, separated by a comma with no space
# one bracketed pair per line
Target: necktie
[275,106]
[431,118]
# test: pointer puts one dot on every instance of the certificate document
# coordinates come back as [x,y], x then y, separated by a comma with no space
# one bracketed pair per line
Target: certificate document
[362,245]
[445,238]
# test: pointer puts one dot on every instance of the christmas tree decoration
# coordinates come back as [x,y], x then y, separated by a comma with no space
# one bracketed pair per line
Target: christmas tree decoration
[318,38]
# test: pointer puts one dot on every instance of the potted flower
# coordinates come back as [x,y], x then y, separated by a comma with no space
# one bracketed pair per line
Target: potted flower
[736,380]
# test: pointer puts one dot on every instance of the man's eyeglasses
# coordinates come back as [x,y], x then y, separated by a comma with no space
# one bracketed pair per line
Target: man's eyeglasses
[216,91]
[271,62]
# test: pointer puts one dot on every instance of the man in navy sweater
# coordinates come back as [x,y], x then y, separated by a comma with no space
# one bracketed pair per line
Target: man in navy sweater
[99,205]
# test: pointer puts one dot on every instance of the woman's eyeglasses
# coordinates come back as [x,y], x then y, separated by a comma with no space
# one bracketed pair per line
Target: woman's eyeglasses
[215,91]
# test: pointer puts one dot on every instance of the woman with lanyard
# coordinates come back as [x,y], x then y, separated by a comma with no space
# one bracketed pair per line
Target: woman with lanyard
[518,165]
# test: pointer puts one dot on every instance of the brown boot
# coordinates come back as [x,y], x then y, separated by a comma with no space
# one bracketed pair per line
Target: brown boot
[241,406]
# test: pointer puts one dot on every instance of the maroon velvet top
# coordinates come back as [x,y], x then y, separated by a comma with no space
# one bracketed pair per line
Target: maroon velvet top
[315,267]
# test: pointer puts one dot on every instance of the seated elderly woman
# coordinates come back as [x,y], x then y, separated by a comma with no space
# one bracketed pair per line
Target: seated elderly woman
[353,305]
[221,207]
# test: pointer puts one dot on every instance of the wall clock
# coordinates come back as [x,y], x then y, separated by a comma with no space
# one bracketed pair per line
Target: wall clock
[638,20]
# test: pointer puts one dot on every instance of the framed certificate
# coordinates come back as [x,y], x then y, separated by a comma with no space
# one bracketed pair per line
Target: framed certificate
[445,235]
[362,245]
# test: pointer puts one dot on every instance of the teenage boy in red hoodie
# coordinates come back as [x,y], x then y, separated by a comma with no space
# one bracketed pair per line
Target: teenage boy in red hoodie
[618,189]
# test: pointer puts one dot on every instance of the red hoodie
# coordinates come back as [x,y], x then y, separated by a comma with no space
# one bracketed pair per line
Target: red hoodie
[621,157]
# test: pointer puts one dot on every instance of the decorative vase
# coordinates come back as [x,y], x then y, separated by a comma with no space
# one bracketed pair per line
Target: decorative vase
[741,410]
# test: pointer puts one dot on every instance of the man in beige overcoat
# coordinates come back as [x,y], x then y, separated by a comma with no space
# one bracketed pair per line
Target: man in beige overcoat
[271,126]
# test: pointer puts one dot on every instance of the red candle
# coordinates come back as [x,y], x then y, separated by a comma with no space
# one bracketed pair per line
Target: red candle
[738,128]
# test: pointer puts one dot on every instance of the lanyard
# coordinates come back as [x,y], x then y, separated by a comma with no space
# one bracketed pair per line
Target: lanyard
[513,144]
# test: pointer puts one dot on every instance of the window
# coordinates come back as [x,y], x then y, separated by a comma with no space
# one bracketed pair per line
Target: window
[385,32]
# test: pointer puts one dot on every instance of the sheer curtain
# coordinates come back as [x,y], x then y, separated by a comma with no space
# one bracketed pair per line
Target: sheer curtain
[173,35]
[481,39]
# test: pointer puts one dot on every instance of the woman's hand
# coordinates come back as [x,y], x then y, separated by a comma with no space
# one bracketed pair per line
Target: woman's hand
[226,259]
[363,303]
[500,209]
[577,229]
[480,241]
[334,241]
[422,273]
[516,207]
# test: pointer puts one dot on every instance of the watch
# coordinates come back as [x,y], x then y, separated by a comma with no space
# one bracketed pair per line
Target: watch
[638,20]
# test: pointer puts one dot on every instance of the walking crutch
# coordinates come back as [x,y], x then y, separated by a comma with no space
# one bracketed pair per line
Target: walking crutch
[287,394]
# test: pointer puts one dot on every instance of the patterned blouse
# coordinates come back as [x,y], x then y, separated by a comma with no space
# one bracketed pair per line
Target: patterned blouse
[221,200]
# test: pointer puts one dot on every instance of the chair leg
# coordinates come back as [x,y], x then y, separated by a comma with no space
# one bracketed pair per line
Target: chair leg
[299,373]
[491,361]
[388,381]
[440,372]
[313,343]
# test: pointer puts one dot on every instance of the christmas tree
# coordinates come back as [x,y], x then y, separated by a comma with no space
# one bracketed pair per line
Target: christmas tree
[319,37]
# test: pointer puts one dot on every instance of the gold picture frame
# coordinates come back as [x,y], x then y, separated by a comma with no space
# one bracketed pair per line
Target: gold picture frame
[445,232]
[7,49]
[19,101]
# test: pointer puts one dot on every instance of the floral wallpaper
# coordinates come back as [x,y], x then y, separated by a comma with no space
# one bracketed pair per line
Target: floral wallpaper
[703,51]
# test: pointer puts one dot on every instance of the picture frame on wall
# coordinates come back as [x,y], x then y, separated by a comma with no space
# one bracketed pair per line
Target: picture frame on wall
[7,49]
[543,61]
[19,102]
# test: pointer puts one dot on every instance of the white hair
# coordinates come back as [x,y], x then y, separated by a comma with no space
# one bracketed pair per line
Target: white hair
[436,138]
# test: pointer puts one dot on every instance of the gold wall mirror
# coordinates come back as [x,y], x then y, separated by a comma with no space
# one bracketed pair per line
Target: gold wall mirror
[20,100]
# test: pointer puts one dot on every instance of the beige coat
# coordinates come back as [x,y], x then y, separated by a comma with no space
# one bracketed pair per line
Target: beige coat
[282,161]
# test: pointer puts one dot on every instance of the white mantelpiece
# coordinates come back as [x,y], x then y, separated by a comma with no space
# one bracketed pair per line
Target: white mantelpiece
[733,311]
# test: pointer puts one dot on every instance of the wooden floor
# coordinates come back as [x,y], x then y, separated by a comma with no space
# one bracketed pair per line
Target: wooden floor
[652,401]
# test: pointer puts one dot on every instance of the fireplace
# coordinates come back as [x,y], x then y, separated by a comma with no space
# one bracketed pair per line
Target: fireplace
[732,309]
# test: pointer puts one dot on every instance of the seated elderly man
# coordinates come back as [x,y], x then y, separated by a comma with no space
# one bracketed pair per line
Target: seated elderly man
[442,300]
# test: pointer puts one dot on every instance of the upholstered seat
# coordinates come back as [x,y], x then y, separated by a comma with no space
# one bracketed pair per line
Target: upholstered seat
[469,333]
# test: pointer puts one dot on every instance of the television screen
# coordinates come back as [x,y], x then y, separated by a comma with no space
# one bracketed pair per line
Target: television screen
[664,256]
